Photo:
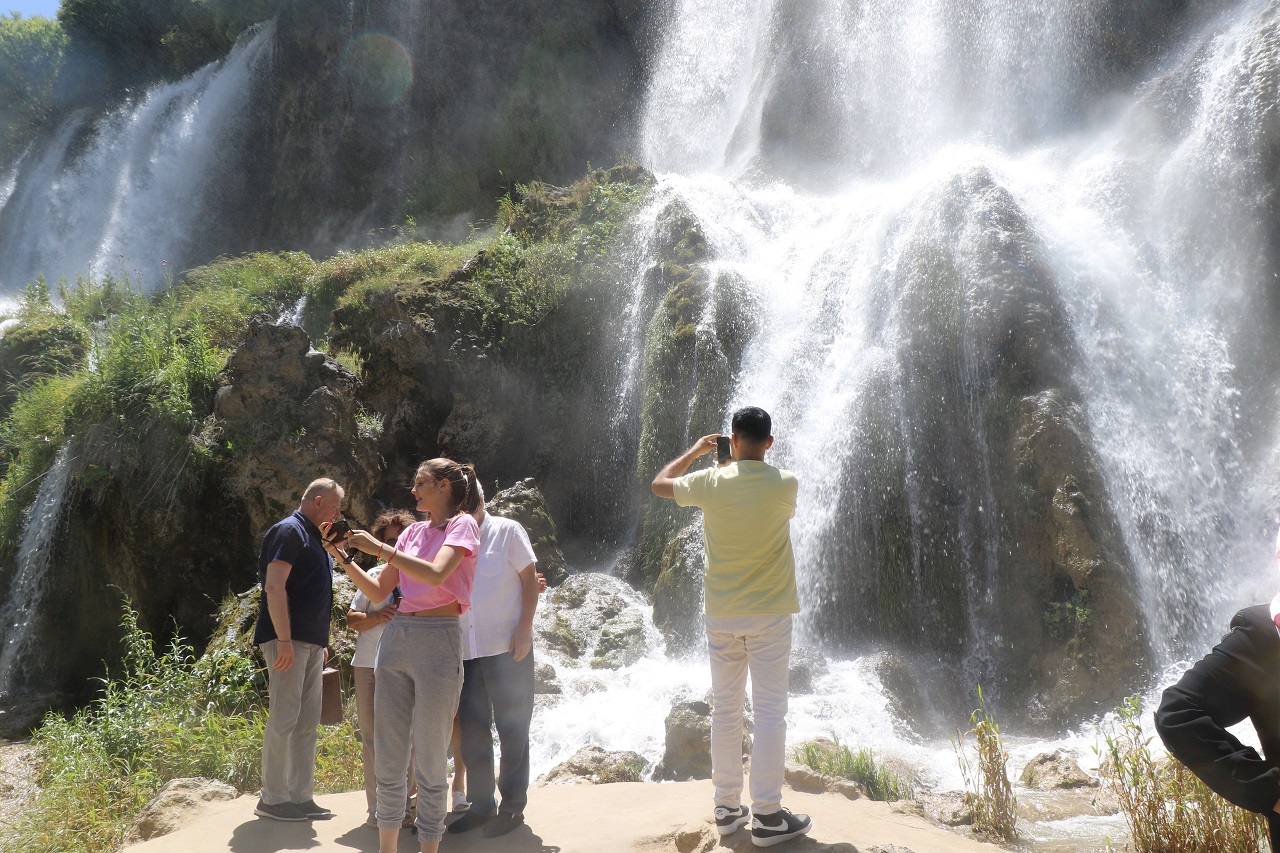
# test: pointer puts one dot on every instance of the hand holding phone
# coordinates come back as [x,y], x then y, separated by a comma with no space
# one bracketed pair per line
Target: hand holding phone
[724,450]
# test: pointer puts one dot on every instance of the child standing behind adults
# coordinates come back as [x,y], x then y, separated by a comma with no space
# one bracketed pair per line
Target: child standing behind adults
[368,619]
[419,663]
[497,637]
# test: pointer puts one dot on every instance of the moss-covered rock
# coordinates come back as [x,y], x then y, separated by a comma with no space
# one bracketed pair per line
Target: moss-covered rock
[284,416]
[42,345]
[677,594]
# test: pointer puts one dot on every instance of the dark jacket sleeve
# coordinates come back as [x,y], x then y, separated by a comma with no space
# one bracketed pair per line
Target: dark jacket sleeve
[1226,686]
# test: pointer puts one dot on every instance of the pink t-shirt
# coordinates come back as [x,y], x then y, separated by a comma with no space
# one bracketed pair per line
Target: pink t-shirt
[424,541]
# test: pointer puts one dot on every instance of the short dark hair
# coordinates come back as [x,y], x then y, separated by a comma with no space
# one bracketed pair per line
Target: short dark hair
[752,423]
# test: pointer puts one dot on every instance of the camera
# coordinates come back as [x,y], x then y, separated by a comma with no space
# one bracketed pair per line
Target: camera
[724,451]
[337,532]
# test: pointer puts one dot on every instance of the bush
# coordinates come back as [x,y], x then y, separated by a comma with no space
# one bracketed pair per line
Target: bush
[837,759]
[988,790]
[1166,807]
[162,717]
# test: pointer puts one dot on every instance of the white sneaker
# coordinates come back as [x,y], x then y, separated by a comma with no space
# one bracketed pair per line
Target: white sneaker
[460,803]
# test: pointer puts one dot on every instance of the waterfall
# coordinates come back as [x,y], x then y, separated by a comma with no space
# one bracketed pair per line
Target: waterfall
[123,193]
[31,580]
[898,183]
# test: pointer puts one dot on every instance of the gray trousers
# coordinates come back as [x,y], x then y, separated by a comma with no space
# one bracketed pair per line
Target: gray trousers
[497,691]
[415,697]
[293,720]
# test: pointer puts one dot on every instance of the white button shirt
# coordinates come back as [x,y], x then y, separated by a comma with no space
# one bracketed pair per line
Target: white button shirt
[487,627]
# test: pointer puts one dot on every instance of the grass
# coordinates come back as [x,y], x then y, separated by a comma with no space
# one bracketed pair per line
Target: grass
[1166,807]
[987,786]
[837,759]
[164,716]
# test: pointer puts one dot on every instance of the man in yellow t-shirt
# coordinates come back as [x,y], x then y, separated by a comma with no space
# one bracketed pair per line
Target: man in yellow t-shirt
[750,583]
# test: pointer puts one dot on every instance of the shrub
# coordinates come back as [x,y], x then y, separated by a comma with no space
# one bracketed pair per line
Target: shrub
[987,786]
[1166,807]
[164,716]
[837,759]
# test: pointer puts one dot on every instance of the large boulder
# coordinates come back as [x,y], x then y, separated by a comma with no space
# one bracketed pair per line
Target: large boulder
[178,804]
[596,618]
[285,414]
[1055,771]
[523,502]
[687,753]
[596,766]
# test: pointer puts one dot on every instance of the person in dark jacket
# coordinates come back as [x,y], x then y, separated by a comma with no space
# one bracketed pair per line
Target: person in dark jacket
[1240,678]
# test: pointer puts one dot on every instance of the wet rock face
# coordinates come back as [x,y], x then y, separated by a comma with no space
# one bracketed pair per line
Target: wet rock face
[806,667]
[523,502]
[285,414]
[677,595]
[593,765]
[592,617]
[955,539]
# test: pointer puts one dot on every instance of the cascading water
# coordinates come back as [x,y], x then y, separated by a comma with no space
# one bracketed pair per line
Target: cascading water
[124,195]
[942,113]
[31,580]
[894,185]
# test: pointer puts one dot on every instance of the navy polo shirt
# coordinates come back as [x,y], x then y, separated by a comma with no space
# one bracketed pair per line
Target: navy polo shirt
[309,587]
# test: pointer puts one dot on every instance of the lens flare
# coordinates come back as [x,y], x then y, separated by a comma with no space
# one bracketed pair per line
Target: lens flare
[377,69]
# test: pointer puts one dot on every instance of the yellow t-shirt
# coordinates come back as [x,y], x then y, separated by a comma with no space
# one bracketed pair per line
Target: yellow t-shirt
[747,508]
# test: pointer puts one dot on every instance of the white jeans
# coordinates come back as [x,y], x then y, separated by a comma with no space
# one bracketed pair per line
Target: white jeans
[760,645]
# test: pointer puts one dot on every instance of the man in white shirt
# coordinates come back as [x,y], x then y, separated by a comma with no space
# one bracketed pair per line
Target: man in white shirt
[498,682]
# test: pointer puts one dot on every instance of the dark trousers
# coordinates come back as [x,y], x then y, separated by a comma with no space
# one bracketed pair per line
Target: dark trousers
[497,691]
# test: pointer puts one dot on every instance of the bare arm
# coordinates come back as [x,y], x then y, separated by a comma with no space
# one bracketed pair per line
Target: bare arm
[664,484]
[522,639]
[431,572]
[358,621]
[278,608]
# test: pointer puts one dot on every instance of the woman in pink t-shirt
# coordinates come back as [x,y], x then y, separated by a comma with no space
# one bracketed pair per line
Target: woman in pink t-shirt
[419,662]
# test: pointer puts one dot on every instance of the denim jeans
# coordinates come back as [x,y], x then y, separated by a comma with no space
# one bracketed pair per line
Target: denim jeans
[497,691]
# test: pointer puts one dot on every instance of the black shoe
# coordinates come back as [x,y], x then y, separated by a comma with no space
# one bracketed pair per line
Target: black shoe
[314,810]
[770,829]
[501,824]
[279,811]
[469,821]
[728,820]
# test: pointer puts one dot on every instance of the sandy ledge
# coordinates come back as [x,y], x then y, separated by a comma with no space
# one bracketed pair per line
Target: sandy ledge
[616,818]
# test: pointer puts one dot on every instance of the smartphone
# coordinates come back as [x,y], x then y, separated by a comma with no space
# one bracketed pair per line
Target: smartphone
[724,452]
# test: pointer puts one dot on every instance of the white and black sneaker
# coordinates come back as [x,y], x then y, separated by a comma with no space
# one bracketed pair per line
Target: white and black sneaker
[770,829]
[728,820]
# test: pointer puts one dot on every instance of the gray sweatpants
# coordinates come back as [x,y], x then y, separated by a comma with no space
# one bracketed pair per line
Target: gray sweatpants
[418,679]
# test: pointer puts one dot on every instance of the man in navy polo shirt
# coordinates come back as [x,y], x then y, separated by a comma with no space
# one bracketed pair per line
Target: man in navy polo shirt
[293,632]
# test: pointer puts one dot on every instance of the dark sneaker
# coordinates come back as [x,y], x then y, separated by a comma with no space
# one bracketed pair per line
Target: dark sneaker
[280,811]
[501,824]
[728,820]
[770,829]
[312,809]
[469,821]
